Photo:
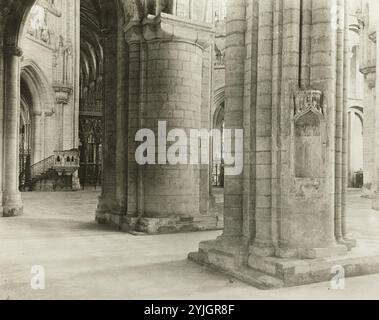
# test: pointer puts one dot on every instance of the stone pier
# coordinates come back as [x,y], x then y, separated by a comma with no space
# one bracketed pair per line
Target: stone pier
[12,203]
[168,62]
[285,221]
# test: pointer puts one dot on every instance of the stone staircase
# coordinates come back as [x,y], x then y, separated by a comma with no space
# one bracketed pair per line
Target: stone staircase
[55,173]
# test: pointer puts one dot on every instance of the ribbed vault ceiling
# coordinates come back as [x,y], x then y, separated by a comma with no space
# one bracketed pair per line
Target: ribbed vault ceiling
[90,47]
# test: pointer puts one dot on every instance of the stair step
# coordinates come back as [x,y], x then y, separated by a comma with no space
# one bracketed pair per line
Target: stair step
[255,278]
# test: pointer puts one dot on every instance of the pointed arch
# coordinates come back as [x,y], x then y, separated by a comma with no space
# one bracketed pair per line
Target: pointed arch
[41,91]
[219,105]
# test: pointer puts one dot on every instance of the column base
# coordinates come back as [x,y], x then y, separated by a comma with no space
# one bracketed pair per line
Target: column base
[228,257]
[76,182]
[143,225]
[12,204]
[109,218]
[273,272]
[375,201]
[368,191]
[262,249]
[311,253]
[164,225]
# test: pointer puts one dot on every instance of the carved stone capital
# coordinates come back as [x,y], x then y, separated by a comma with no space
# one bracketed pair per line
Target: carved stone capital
[170,27]
[12,51]
[133,32]
[369,73]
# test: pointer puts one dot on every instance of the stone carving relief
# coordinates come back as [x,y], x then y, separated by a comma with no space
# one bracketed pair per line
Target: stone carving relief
[309,114]
[154,7]
[91,127]
[91,96]
[220,56]
[38,26]
[4,10]
[39,21]
[308,100]
[63,62]
[63,71]
[133,10]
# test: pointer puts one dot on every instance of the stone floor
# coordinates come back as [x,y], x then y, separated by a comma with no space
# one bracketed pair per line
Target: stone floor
[83,260]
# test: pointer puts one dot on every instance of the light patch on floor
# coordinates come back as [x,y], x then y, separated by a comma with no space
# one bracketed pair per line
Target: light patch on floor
[84,260]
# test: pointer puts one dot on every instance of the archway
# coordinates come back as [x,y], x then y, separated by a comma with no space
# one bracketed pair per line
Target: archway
[25,145]
[107,19]
[35,86]
[355,147]
[217,167]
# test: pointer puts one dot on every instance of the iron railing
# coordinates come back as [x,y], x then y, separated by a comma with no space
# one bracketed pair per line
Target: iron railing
[42,167]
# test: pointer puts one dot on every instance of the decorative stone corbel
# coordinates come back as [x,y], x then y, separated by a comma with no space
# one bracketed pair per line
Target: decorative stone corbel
[369,73]
[12,51]
[62,93]
[133,32]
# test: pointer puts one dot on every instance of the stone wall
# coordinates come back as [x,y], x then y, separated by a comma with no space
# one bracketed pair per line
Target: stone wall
[49,43]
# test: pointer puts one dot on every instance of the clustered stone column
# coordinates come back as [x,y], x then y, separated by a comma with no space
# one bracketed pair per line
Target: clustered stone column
[369,71]
[291,228]
[12,203]
[375,142]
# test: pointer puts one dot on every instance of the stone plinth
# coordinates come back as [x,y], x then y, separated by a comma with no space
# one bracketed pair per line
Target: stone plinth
[271,272]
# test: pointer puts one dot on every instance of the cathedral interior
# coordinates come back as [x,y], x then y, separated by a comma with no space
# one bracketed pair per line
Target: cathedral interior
[80,78]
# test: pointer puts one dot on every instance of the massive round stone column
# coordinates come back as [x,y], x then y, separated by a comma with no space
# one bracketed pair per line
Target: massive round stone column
[12,203]
[173,93]
[170,98]
[235,56]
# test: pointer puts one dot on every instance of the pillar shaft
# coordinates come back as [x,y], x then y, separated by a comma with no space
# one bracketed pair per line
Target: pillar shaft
[108,200]
[173,94]
[376,130]
[263,242]
[37,138]
[368,68]
[234,82]
[12,203]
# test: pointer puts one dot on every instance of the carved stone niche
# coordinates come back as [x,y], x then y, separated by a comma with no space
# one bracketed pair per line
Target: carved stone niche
[309,133]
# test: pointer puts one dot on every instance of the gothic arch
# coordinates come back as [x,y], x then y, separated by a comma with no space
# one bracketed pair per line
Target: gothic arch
[42,92]
[219,105]
[16,13]
[219,96]
[42,102]
[110,16]
[358,111]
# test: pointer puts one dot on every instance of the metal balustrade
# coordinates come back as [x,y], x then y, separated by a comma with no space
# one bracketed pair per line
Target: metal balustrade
[63,162]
